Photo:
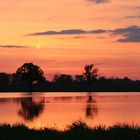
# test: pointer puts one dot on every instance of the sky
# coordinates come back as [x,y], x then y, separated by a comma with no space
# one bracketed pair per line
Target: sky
[61,36]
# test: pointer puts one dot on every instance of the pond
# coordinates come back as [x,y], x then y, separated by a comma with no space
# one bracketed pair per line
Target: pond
[38,110]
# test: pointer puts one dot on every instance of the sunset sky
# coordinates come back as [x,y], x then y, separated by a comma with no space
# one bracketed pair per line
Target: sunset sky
[61,36]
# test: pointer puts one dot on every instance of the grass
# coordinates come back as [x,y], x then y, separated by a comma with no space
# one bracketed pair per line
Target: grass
[76,131]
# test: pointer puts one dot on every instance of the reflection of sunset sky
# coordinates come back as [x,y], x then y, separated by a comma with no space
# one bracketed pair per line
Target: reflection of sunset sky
[67,51]
[59,111]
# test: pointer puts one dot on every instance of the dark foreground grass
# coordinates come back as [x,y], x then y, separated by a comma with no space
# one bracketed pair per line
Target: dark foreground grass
[76,131]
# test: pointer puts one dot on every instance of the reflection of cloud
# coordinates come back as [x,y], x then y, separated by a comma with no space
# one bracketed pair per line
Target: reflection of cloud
[98,1]
[13,46]
[77,37]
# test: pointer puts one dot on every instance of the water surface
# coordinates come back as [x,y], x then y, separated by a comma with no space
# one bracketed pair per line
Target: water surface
[60,109]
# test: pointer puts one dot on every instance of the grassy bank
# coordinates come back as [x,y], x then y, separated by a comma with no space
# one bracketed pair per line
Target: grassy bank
[76,131]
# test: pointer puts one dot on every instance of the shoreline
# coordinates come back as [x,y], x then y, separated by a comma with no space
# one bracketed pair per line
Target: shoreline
[76,130]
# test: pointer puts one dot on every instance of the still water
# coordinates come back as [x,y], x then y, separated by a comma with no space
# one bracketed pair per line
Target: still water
[38,110]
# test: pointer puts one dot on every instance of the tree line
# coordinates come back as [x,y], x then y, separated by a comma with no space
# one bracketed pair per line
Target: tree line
[30,77]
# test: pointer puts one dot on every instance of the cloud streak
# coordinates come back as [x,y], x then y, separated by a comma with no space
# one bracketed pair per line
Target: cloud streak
[98,1]
[63,32]
[129,34]
[13,46]
[68,32]
[131,17]
[99,31]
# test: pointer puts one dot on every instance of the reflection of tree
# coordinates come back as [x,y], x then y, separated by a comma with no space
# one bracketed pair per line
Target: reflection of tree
[63,98]
[30,108]
[91,108]
[5,100]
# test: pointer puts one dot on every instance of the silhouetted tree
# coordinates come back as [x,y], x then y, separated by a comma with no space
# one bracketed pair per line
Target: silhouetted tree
[30,77]
[63,82]
[79,78]
[91,74]
[63,79]
[4,81]
[30,74]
